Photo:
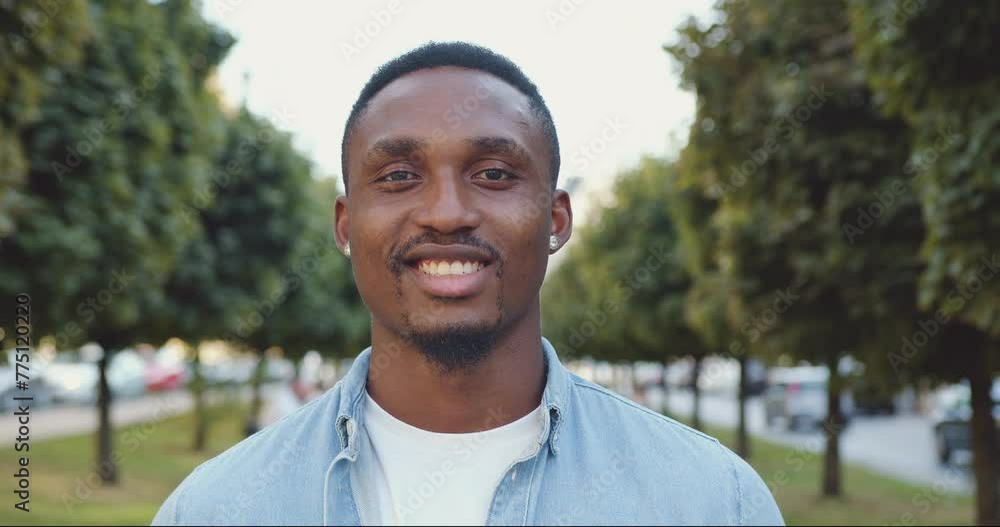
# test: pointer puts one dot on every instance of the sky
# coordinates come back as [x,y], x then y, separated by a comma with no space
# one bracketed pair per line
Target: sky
[612,90]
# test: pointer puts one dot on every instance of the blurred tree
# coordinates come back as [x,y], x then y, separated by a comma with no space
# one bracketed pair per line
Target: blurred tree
[934,64]
[37,38]
[113,157]
[792,144]
[326,313]
[236,278]
[322,309]
[622,290]
[248,215]
[706,309]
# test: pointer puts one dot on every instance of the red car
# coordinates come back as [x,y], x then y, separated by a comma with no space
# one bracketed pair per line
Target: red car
[161,378]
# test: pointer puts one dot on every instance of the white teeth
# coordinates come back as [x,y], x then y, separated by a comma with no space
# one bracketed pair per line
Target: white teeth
[448,268]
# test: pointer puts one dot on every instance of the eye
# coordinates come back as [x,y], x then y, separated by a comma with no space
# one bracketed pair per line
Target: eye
[494,174]
[398,176]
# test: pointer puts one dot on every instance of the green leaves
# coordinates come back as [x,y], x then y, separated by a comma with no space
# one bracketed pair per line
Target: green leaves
[935,67]
[131,167]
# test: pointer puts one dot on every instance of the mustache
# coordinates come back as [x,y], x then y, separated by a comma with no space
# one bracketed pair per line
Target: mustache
[396,263]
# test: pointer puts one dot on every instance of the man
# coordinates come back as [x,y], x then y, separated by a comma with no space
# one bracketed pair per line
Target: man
[460,412]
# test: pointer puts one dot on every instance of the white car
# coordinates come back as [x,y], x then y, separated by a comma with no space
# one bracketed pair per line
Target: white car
[76,382]
[797,397]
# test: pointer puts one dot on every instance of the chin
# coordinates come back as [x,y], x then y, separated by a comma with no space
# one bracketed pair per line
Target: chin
[454,346]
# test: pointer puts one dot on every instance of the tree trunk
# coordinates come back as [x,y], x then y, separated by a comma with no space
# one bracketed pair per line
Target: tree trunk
[832,427]
[665,391]
[198,394]
[742,438]
[696,394]
[984,441]
[256,401]
[106,468]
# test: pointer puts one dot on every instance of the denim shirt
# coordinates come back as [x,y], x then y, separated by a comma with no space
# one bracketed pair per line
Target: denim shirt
[600,459]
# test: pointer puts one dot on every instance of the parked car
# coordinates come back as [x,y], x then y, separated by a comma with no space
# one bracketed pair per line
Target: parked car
[797,397]
[953,420]
[76,381]
[717,375]
[872,399]
[165,370]
[160,377]
[39,390]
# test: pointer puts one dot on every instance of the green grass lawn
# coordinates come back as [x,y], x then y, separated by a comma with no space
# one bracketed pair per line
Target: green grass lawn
[869,499]
[155,457]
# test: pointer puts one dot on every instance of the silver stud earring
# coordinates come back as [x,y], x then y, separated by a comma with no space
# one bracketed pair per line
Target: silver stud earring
[553,242]
[347,249]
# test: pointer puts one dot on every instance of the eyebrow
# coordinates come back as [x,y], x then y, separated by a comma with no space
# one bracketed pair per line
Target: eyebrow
[395,147]
[499,145]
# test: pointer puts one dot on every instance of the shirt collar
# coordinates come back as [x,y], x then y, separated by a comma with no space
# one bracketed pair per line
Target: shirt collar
[349,414]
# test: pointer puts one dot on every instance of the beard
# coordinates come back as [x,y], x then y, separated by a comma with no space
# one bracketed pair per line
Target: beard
[456,347]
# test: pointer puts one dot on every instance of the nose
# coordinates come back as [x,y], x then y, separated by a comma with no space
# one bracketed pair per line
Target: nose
[447,206]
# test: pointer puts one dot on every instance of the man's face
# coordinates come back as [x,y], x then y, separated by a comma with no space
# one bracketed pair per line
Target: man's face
[450,209]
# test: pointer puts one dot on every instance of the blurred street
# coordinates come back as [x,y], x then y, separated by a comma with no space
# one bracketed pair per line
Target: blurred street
[52,422]
[901,446]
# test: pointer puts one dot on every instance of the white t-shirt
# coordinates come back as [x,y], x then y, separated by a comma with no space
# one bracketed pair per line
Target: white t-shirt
[428,478]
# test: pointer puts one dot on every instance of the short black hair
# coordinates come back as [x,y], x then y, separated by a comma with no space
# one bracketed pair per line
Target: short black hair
[462,55]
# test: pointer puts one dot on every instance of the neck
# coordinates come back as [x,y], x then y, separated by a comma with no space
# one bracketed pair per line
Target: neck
[504,387]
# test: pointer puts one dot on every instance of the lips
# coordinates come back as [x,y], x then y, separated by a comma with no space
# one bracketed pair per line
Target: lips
[450,271]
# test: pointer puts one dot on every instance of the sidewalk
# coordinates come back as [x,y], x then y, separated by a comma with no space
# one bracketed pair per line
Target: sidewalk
[58,421]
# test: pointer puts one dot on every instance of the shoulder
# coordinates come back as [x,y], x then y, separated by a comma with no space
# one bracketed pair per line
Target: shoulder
[612,405]
[270,465]
[671,454]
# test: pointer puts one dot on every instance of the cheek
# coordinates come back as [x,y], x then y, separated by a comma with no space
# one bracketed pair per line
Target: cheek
[527,252]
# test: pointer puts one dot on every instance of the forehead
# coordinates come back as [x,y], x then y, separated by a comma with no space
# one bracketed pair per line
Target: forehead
[449,103]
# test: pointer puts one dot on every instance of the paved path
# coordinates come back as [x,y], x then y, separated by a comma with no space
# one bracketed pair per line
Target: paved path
[900,446]
[58,421]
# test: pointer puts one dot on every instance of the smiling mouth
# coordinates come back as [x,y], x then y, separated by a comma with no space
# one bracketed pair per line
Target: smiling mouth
[453,279]
[433,267]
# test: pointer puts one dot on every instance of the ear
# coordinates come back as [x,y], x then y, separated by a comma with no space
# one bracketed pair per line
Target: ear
[341,222]
[562,217]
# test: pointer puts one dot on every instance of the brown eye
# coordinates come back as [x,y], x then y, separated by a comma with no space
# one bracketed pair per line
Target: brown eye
[494,174]
[398,176]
